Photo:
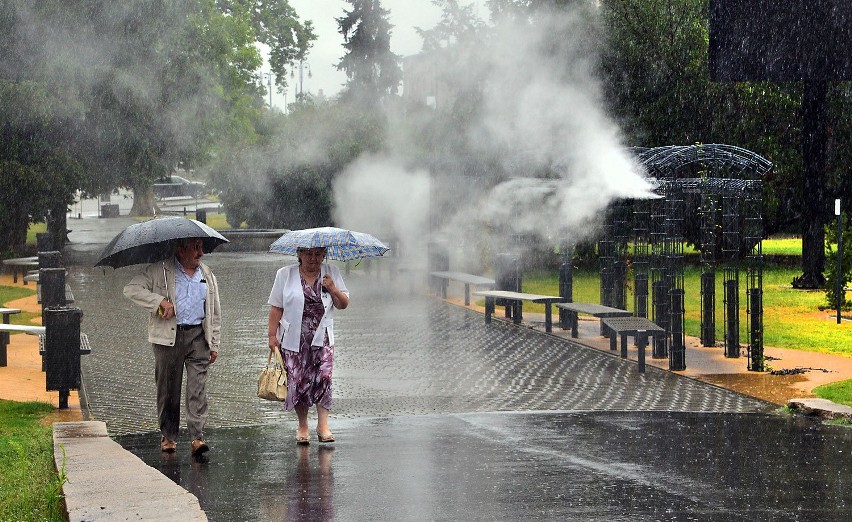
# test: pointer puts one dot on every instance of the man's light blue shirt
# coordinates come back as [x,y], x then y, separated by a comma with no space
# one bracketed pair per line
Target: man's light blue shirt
[190,295]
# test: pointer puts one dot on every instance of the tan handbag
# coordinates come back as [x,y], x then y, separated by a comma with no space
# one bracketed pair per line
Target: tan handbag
[272,384]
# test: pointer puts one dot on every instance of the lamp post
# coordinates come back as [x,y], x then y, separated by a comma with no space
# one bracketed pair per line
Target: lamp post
[302,66]
[839,257]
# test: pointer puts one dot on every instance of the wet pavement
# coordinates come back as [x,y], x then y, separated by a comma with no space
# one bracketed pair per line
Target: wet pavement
[440,417]
[596,466]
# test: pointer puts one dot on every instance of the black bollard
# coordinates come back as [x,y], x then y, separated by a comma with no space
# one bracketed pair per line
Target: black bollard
[52,286]
[52,259]
[62,351]
[201,215]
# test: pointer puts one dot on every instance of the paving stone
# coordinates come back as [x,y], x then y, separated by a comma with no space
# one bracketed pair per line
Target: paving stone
[397,353]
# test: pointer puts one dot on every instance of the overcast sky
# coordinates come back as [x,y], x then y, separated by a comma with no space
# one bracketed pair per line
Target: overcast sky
[328,47]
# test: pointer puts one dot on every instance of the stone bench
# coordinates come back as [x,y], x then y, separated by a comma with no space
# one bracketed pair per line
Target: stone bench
[22,265]
[639,328]
[468,280]
[4,336]
[69,296]
[517,298]
[40,331]
[572,310]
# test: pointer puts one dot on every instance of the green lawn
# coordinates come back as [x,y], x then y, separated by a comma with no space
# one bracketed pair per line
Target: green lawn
[30,487]
[792,318]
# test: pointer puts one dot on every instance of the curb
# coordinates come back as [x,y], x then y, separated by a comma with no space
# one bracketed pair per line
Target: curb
[822,408]
[106,482]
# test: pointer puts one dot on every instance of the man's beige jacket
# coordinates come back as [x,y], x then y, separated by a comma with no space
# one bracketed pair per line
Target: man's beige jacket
[148,289]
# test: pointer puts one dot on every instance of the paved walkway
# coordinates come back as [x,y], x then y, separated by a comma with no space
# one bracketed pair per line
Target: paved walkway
[440,417]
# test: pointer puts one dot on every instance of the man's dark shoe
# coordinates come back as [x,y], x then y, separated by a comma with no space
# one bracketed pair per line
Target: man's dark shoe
[199,447]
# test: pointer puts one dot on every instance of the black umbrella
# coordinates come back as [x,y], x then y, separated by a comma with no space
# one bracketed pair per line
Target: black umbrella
[154,240]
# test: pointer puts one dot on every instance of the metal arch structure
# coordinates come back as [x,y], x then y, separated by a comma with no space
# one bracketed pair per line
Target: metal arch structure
[678,161]
[727,183]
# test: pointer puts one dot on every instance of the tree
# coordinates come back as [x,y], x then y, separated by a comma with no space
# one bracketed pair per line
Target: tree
[286,179]
[116,94]
[658,85]
[372,69]
[276,24]
[39,173]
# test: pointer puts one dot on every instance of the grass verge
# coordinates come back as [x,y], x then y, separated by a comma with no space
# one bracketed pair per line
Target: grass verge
[30,487]
[839,392]
[11,293]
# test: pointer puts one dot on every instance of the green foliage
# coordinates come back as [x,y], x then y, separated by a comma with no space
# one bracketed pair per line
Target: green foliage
[831,273]
[37,172]
[276,25]
[96,94]
[30,488]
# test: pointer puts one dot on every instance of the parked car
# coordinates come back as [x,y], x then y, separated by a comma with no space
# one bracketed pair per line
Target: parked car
[176,186]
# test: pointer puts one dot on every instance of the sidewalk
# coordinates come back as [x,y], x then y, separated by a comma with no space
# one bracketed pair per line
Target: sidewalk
[806,370]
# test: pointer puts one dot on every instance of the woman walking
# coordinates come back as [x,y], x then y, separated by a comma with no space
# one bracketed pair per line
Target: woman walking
[301,326]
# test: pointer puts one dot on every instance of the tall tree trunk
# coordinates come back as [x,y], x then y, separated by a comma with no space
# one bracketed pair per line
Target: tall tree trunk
[814,139]
[143,202]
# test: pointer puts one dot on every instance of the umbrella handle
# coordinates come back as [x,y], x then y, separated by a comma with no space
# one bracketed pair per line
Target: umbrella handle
[166,282]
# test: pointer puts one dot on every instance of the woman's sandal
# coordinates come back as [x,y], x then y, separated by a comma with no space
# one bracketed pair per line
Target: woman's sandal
[329,437]
[303,440]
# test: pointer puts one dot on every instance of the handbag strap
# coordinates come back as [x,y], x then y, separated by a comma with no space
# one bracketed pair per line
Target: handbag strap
[279,362]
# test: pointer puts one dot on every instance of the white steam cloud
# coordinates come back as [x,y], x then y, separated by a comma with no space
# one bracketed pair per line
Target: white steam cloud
[561,158]
[376,194]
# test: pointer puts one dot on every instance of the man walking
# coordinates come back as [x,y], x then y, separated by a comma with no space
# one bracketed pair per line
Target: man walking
[184,328]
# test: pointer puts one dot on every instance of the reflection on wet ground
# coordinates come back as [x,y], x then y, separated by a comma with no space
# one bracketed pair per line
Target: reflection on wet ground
[536,465]
[773,388]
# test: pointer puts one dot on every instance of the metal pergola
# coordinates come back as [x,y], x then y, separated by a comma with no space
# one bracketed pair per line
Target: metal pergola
[726,183]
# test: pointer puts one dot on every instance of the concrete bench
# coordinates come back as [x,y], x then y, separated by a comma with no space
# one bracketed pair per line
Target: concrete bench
[518,298]
[85,348]
[69,296]
[20,264]
[40,331]
[639,328]
[572,310]
[25,328]
[4,336]
[468,280]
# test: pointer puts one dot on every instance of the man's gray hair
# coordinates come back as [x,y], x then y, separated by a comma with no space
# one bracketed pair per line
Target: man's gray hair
[184,241]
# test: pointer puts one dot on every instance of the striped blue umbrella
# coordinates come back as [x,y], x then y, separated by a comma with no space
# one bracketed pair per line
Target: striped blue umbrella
[340,244]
